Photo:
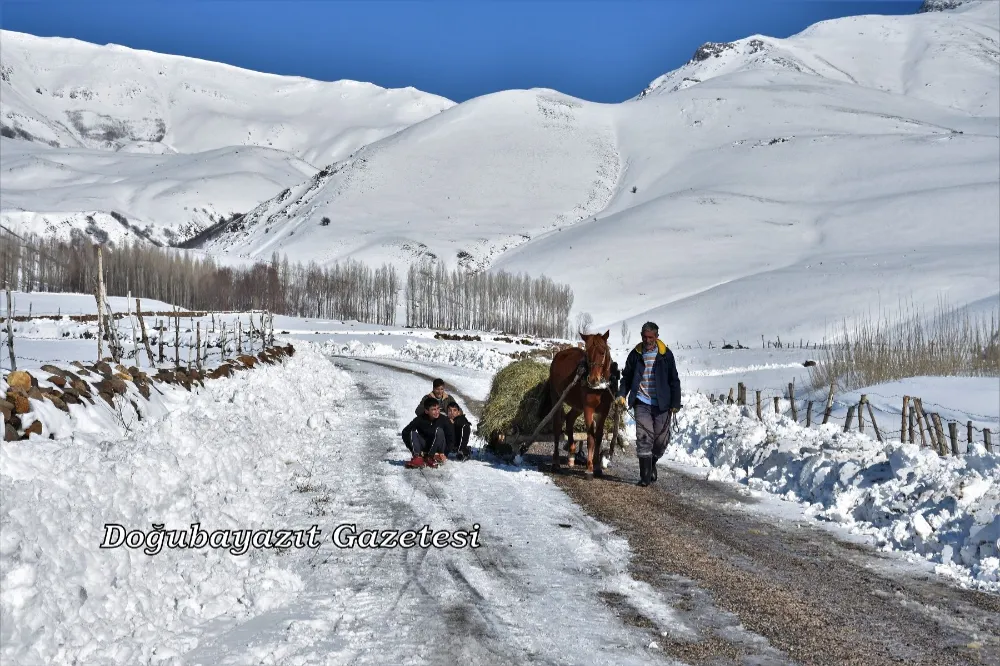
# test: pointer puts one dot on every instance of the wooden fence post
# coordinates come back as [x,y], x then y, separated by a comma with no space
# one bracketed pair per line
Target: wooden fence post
[902,427]
[10,330]
[913,420]
[777,408]
[159,339]
[829,405]
[809,414]
[145,338]
[729,400]
[918,408]
[953,435]
[198,347]
[861,414]
[987,441]
[939,432]
[223,342]
[791,400]
[100,304]
[741,394]
[177,338]
[131,324]
[968,436]
[871,413]
[850,418]
[239,336]
[760,415]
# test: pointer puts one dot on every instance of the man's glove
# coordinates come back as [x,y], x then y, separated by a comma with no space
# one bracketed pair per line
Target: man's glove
[621,401]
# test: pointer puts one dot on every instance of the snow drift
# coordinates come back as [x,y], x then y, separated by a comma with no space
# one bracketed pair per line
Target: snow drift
[943,509]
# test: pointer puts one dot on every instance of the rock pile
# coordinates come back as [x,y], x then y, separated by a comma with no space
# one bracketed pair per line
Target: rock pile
[90,382]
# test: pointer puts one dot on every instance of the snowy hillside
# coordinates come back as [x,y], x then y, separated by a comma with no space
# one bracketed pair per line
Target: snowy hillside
[465,186]
[77,94]
[166,198]
[170,143]
[949,58]
[770,198]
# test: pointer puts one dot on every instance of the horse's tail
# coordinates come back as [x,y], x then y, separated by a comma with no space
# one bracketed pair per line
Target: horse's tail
[545,406]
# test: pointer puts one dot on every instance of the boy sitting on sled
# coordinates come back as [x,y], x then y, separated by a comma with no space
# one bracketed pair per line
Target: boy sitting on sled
[429,435]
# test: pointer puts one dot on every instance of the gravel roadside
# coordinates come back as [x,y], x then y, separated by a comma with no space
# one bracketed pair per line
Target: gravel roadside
[816,599]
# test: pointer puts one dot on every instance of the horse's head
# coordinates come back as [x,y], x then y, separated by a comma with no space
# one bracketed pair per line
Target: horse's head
[598,360]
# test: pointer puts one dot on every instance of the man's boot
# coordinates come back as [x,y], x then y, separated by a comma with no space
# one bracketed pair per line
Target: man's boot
[644,471]
[652,469]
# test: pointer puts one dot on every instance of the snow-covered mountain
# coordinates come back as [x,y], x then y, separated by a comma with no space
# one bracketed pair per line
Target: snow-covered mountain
[949,58]
[75,94]
[166,198]
[769,186]
[801,182]
[168,142]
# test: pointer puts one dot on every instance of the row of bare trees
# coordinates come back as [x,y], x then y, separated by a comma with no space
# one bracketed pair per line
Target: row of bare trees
[518,304]
[434,296]
[348,290]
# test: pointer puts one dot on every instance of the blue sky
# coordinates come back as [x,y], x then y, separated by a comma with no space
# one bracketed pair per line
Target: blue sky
[600,51]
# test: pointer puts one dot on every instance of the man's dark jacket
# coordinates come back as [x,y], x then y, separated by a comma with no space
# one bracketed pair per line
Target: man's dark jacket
[426,427]
[668,384]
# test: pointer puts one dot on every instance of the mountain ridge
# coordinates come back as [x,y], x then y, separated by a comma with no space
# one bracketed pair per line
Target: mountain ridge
[781,173]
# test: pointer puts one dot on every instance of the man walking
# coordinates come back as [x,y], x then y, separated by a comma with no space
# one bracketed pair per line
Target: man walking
[654,390]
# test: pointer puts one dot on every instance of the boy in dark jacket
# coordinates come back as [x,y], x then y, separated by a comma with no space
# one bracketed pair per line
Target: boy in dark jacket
[653,388]
[462,431]
[428,436]
[438,393]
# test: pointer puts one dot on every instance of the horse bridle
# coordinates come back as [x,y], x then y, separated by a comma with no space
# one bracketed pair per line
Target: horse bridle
[605,355]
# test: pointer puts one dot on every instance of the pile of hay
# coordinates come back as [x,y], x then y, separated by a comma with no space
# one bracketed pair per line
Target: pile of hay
[515,396]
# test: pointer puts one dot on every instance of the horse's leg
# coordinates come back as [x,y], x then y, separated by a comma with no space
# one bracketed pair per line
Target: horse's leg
[571,418]
[588,418]
[556,429]
[598,439]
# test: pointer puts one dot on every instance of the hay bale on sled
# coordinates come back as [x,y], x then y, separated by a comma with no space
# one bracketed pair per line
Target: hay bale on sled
[515,397]
[512,407]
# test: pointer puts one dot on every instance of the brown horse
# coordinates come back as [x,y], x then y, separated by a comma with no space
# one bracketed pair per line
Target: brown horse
[590,395]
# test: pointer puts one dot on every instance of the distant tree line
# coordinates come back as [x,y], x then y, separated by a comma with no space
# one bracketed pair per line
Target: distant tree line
[434,296]
[519,304]
[347,290]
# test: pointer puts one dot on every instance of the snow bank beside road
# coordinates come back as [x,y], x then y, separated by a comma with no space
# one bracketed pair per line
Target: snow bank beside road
[223,456]
[461,354]
[943,509]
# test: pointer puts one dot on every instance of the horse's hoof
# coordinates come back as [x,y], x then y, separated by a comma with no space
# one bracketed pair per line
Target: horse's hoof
[599,473]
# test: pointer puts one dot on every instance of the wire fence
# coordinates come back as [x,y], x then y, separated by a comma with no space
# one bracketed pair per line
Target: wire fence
[915,425]
[170,344]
